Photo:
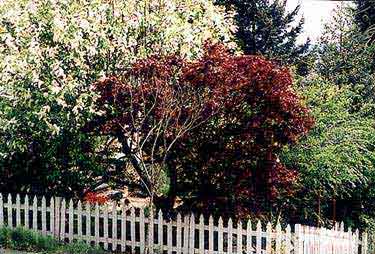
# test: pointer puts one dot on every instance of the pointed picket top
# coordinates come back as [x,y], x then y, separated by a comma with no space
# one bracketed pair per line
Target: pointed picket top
[192,218]
[288,229]
[35,200]
[220,235]
[239,236]
[201,220]
[26,214]
[70,204]
[259,226]
[221,221]
[79,205]
[44,216]
[342,227]
[87,206]
[278,227]
[132,210]
[201,233]
[230,223]
[18,198]
[160,215]
[211,220]
[9,198]
[1,196]
[179,217]
[268,227]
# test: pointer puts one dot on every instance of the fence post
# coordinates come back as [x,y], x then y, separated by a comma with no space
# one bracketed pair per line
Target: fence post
[56,232]
[298,239]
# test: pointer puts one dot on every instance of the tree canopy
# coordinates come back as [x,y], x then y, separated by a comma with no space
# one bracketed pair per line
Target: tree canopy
[265,27]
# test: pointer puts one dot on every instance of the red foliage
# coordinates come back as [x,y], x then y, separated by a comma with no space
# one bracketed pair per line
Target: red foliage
[228,116]
[94,198]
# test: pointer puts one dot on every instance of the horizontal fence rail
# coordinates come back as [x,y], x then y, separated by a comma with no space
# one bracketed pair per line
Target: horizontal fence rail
[127,229]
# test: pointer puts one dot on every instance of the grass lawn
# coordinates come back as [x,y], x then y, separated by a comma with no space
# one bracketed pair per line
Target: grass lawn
[27,241]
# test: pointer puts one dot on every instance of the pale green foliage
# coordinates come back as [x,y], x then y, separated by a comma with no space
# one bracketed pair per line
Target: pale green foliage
[337,156]
[52,51]
[58,48]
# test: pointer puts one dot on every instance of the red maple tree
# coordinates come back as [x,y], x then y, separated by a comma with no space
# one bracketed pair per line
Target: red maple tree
[215,125]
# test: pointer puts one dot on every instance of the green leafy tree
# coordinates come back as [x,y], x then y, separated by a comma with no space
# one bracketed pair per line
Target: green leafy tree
[265,27]
[336,159]
[344,58]
[50,54]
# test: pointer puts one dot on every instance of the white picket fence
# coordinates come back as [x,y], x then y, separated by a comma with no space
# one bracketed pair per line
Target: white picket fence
[136,231]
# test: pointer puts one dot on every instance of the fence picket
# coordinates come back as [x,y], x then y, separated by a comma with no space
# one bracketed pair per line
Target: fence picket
[230,236]
[51,216]
[71,220]
[160,230]
[1,211]
[287,239]
[151,232]
[239,237]
[278,237]
[97,216]
[142,230]
[364,243]
[123,227]
[88,221]
[192,234]
[132,228]
[186,227]
[356,251]
[35,213]
[249,249]
[79,219]
[57,214]
[44,216]
[18,210]
[169,238]
[62,220]
[210,235]
[268,237]
[105,226]
[178,234]
[259,238]
[350,233]
[201,234]
[220,236]
[114,226]
[9,211]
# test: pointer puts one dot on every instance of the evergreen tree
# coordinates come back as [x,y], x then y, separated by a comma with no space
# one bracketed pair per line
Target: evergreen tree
[265,27]
[365,17]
